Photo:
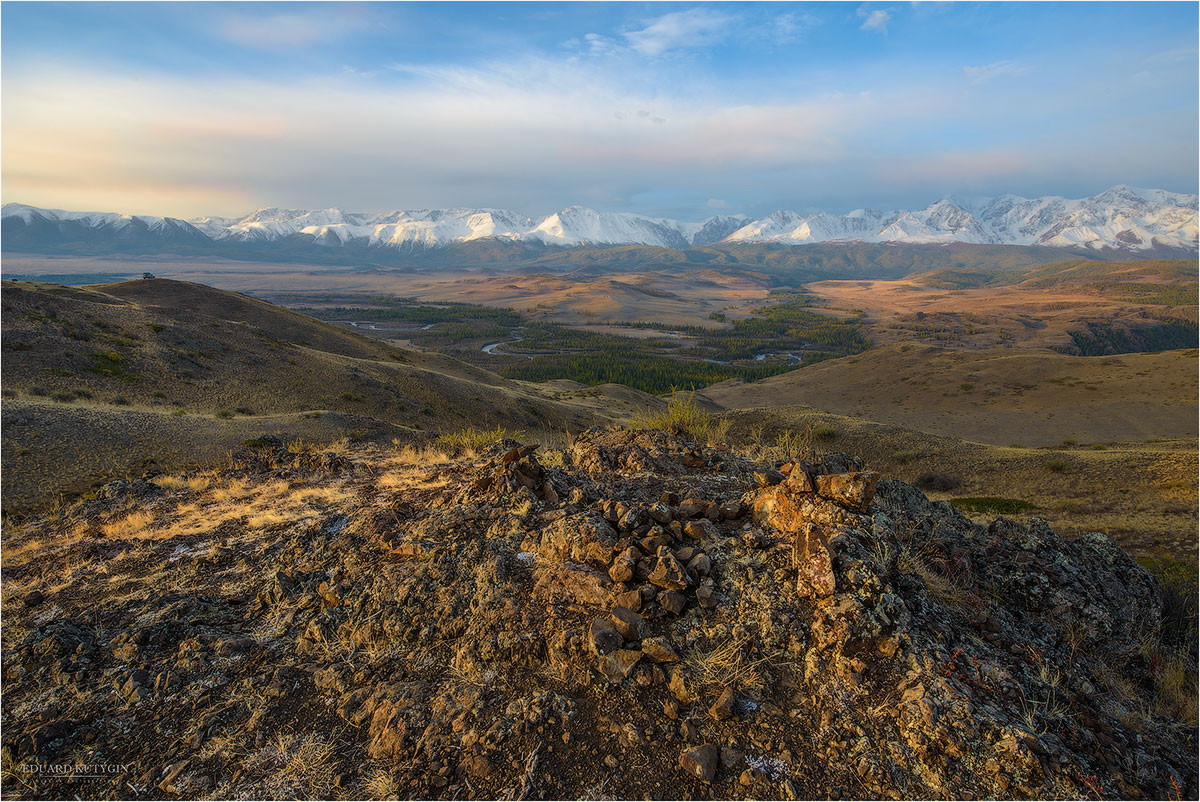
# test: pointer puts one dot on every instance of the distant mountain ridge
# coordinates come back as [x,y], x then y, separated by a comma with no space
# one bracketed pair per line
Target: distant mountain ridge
[1120,218]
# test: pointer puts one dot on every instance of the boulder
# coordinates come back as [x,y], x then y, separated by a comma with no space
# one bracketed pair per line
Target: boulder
[723,707]
[701,761]
[618,665]
[603,637]
[672,601]
[659,650]
[701,529]
[813,561]
[853,491]
[668,573]
[628,623]
[576,583]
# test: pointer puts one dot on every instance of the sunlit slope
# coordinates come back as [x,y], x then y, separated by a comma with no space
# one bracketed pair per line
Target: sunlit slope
[152,371]
[1000,396]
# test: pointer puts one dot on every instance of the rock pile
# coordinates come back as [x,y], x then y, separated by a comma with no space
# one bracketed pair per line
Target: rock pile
[648,618]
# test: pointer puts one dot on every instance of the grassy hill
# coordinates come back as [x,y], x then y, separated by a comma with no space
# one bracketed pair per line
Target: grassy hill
[110,378]
[1144,495]
[999,396]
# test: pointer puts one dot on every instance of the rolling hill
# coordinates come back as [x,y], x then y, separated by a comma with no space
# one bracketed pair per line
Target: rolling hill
[111,379]
[999,396]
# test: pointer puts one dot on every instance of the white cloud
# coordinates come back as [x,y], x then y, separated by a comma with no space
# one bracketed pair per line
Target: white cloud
[875,20]
[680,30]
[535,134]
[716,203]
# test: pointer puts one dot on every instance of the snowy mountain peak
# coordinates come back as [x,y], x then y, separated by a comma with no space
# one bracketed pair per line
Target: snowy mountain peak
[1121,217]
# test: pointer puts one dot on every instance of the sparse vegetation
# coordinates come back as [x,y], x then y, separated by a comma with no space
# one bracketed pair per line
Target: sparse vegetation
[991,505]
[473,439]
[682,412]
[1058,465]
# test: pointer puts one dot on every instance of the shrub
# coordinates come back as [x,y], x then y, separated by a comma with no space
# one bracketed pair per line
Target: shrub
[938,482]
[903,457]
[825,433]
[966,387]
[682,411]
[224,413]
[1058,465]
[158,394]
[471,438]
[991,505]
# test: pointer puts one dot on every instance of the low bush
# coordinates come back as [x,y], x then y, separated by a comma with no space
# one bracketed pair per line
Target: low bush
[937,482]
[471,438]
[991,505]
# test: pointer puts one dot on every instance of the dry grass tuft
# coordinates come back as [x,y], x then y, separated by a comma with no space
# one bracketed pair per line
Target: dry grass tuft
[382,785]
[724,665]
[192,483]
[295,767]
[682,411]
[471,439]
[133,524]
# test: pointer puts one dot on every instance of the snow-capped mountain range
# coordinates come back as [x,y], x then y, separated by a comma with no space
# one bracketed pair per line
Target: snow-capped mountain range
[1120,218]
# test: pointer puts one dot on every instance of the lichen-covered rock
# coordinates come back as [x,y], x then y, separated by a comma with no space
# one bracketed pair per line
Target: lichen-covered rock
[471,636]
[852,490]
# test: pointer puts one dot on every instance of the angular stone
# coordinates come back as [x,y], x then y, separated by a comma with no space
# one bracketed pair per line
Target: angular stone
[851,490]
[679,688]
[657,536]
[603,637]
[798,481]
[672,601]
[627,622]
[813,562]
[668,573]
[768,478]
[632,519]
[581,584]
[700,566]
[723,707]
[624,565]
[631,599]
[659,650]
[582,537]
[777,508]
[619,665]
[701,761]
[701,529]
[751,776]
[661,513]
[732,509]
[692,507]
[706,594]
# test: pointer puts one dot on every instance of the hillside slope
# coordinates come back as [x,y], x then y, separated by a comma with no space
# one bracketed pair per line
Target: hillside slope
[999,396]
[648,618]
[144,372]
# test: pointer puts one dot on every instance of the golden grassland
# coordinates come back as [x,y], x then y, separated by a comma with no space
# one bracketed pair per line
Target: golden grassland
[1142,494]
[1000,396]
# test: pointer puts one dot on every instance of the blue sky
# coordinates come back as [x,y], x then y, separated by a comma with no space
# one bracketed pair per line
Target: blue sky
[672,109]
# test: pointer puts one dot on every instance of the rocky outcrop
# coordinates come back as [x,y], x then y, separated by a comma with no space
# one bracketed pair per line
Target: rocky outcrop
[649,617]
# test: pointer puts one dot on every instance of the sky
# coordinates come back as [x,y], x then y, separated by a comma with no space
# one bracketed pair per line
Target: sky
[679,109]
